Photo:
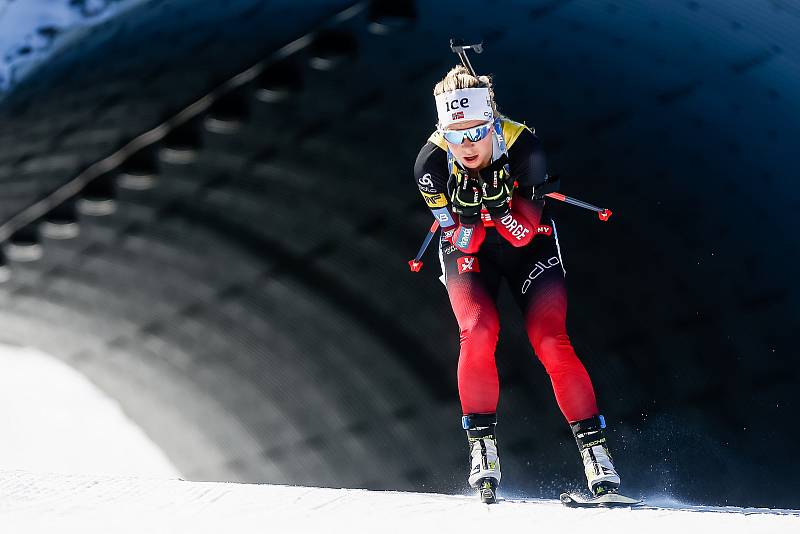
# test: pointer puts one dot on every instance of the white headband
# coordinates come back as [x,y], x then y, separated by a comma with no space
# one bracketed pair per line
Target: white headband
[464,105]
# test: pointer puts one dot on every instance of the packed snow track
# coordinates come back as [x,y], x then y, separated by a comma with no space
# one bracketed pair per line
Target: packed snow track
[79,503]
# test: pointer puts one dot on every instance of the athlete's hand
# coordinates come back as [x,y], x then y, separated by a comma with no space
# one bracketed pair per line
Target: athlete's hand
[466,197]
[552,184]
[496,186]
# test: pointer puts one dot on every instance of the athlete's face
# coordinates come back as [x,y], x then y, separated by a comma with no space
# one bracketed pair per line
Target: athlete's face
[472,155]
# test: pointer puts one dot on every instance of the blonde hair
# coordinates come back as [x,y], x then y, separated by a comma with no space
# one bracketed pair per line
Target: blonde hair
[460,78]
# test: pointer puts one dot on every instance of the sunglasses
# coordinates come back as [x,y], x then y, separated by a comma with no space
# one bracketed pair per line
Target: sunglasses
[474,134]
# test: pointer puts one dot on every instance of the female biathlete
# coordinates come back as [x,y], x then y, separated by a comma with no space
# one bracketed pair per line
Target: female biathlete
[482,175]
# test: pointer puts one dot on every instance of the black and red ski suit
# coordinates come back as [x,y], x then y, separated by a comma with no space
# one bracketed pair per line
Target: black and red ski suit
[521,247]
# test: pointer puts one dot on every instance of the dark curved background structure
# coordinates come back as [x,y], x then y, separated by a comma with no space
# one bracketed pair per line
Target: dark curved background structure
[241,286]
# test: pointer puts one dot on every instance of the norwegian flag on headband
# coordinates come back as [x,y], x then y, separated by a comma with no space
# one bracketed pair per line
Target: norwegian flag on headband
[458,115]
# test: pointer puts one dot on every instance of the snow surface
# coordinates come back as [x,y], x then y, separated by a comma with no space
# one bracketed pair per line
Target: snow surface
[54,419]
[57,428]
[32,30]
[33,503]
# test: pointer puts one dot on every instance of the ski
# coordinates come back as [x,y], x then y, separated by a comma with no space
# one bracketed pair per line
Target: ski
[607,500]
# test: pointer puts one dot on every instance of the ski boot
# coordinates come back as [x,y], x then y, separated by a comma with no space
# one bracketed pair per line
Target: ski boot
[601,476]
[484,472]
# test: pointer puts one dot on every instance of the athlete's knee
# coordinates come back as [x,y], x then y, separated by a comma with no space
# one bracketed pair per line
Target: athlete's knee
[555,352]
[483,329]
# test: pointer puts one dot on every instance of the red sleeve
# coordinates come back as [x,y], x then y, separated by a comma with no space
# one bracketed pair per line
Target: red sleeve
[468,237]
[518,225]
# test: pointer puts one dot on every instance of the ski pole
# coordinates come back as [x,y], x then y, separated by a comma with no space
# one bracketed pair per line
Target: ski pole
[416,263]
[603,213]
[460,49]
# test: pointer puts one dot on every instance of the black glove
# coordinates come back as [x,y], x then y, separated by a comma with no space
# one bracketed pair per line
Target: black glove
[552,183]
[497,186]
[465,197]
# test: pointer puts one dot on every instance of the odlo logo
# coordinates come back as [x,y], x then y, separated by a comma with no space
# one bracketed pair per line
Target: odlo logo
[538,269]
[468,264]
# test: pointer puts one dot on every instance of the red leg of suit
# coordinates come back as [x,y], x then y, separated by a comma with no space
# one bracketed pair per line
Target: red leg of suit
[545,322]
[541,294]
[478,323]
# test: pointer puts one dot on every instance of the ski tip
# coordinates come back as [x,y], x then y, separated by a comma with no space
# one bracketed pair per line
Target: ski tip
[608,500]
